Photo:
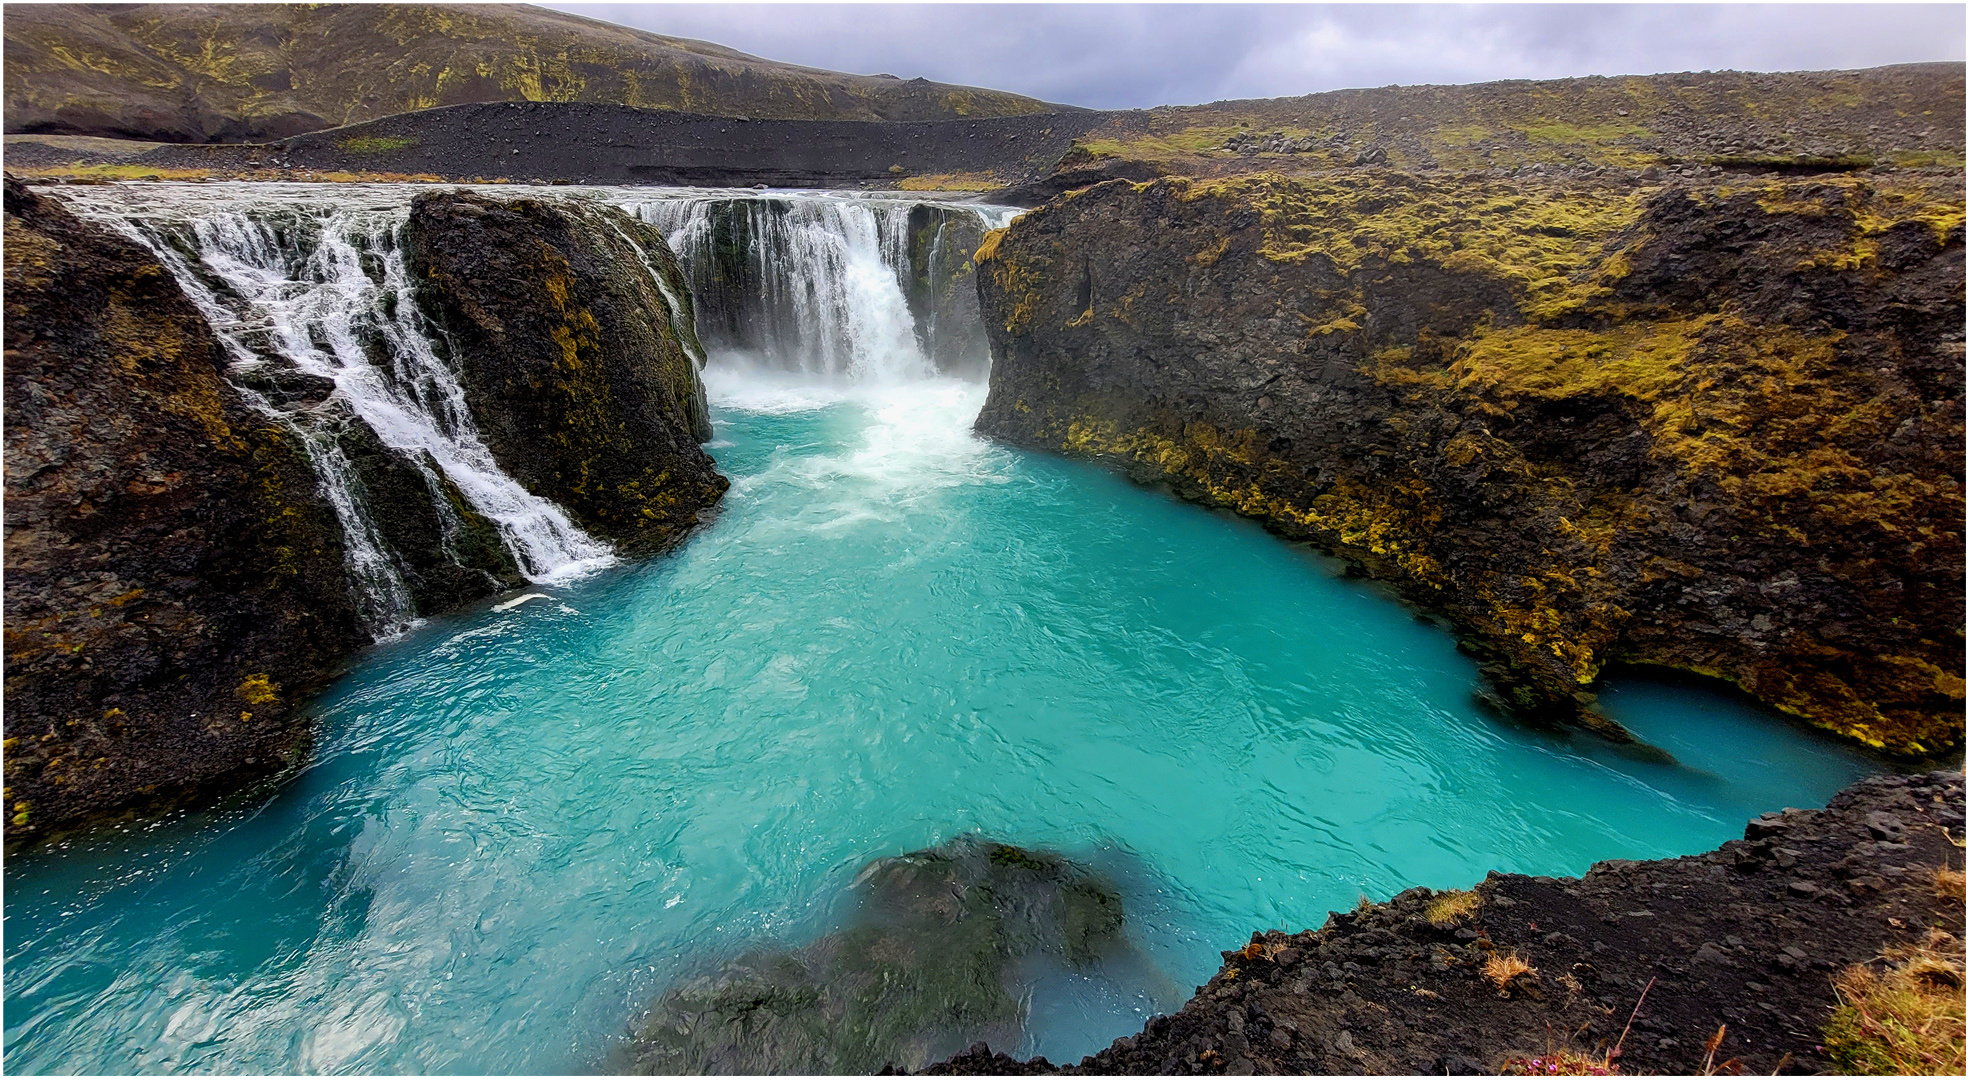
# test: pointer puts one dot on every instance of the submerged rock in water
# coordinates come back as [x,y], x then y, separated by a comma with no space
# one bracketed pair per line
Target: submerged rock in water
[921,972]
[1633,965]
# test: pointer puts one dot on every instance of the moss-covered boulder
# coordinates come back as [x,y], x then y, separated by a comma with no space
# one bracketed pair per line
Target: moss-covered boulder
[922,970]
[174,579]
[1716,427]
[561,323]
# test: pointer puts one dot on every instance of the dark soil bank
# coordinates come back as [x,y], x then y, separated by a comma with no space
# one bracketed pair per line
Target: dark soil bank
[597,143]
[1747,937]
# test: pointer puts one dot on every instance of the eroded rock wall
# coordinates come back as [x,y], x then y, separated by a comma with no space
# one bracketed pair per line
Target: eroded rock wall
[174,579]
[1713,427]
[563,339]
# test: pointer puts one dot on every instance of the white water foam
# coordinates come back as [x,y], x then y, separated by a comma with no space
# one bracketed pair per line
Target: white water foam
[829,270]
[313,278]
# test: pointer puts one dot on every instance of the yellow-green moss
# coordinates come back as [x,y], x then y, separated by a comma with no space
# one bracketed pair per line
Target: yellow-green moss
[376,144]
[257,689]
[1536,239]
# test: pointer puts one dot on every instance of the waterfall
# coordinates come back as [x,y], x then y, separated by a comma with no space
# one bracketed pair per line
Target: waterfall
[300,288]
[307,288]
[864,288]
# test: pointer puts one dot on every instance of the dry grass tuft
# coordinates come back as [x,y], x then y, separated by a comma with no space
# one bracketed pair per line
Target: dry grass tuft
[1502,968]
[1558,1063]
[1447,907]
[1949,883]
[1906,1020]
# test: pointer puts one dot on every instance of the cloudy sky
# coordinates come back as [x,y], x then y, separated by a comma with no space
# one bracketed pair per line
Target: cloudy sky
[1136,55]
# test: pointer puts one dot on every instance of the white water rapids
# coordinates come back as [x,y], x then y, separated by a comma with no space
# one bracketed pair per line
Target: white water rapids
[311,279]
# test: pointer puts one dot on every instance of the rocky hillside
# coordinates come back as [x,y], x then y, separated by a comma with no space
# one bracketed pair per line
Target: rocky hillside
[1687,125]
[1712,426]
[254,72]
[175,584]
[598,143]
[176,581]
[1909,115]
[1634,968]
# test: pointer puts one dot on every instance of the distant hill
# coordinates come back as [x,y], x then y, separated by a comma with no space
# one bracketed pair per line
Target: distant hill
[239,73]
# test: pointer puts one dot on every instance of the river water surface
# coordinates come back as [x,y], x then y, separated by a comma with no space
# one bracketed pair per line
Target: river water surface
[521,826]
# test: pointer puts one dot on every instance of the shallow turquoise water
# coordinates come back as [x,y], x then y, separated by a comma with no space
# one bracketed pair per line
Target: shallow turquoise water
[523,825]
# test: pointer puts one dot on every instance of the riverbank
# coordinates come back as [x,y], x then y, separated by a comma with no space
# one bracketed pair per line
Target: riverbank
[1743,942]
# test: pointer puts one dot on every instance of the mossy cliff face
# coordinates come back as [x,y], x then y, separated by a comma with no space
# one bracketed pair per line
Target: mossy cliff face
[564,339]
[1717,428]
[174,580]
[943,299]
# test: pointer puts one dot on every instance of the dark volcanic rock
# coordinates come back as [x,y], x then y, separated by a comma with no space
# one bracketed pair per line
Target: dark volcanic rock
[1714,429]
[448,554]
[572,365]
[598,143]
[1725,939]
[923,968]
[175,584]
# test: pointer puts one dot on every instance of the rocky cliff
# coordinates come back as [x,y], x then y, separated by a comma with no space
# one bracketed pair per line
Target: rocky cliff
[230,72]
[177,580]
[573,358]
[1712,426]
[1634,968]
[175,584]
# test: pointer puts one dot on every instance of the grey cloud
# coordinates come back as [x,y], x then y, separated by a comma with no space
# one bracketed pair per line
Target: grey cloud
[1139,55]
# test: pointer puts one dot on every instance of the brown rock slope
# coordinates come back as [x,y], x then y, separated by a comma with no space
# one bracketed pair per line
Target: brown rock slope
[1746,938]
[174,580]
[1689,122]
[572,364]
[1717,427]
[250,72]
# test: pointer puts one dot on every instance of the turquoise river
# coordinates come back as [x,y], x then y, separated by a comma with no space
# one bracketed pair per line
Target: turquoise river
[520,826]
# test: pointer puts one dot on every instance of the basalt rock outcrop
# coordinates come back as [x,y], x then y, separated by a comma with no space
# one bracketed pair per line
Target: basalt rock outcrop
[179,579]
[1716,427]
[175,584]
[570,328]
[1746,938]
[923,968]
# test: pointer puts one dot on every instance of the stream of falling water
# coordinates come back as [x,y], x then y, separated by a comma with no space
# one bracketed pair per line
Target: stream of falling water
[319,287]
